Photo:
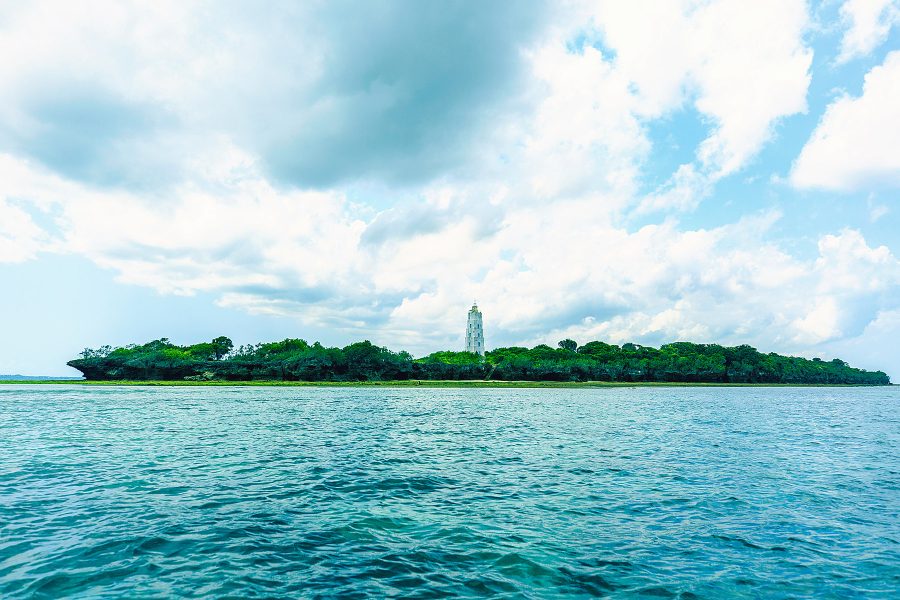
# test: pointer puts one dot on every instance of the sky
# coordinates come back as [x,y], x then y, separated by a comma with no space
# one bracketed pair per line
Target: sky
[718,172]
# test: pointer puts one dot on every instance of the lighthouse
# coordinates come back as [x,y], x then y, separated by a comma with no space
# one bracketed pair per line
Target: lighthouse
[475,332]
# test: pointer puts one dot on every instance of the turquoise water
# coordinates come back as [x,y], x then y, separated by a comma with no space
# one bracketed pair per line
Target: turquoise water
[351,493]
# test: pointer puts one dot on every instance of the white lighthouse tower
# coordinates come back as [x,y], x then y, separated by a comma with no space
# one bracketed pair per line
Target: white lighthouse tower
[475,332]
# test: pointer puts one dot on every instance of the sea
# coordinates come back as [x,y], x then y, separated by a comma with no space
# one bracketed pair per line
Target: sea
[365,492]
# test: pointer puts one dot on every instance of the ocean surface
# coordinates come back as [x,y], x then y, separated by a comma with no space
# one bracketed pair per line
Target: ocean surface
[247,492]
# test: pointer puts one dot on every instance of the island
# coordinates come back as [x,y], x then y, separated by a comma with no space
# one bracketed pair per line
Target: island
[296,360]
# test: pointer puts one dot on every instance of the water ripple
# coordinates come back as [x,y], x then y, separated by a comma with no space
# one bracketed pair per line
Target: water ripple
[356,493]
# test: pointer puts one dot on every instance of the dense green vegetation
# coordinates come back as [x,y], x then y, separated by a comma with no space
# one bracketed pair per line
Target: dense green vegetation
[297,360]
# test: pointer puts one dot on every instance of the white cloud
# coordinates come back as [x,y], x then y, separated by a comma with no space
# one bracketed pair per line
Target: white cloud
[733,287]
[172,81]
[320,99]
[877,211]
[542,272]
[534,224]
[569,272]
[233,231]
[753,71]
[856,145]
[846,276]
[607,70]
[846,263]
[20,237]
[742,65]
[683,191]
[868,24]
[875,347]
[585,134]
[821,323]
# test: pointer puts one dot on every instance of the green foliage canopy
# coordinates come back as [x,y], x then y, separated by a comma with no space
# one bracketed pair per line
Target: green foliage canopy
[297,360]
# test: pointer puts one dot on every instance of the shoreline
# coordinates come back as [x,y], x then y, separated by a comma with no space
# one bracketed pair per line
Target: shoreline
[420,383]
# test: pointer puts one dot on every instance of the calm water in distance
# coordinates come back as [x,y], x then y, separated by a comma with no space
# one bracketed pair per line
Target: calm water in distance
[357,492]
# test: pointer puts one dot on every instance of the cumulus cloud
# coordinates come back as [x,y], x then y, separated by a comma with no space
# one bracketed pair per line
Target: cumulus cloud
[742,65]
[730,284]
[20,237]
[123,93]
[609,69]
[876,344]
[541,271]
[868,23]
[856,145]
[585,135]
[227,151]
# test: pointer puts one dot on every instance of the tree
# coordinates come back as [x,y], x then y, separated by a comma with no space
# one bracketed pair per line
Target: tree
[567,344]
[221,347]
[293,359]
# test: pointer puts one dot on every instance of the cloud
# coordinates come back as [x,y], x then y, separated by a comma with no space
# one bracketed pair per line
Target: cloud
[220,234]
[292,251]
[743,66]
[541,272]
[404,90]
[856,144]
[21,199]
[90,135]
[229,152]
[607,70]
[875,345]
[877,211]
[868,24]
[730,285]
[73,99]
[585,136]
[396,92]
[851,265]
[20,238]
[321,93]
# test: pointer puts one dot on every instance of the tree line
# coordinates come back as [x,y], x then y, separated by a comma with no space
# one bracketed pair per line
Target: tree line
[298,360]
